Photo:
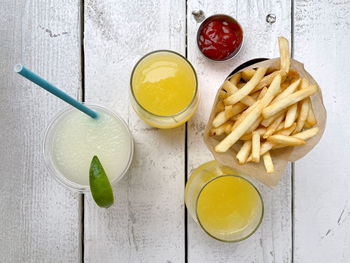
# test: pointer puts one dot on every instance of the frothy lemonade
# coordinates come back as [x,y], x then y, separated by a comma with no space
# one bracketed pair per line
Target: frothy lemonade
[77,138]
[227,205]
[164,83]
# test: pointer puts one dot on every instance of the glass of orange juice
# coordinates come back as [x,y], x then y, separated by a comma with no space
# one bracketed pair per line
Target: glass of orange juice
[164,89]
[227,206]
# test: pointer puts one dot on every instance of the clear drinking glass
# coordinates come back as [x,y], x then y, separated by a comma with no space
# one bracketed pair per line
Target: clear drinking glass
[56,138]
[158,120]
[237,203]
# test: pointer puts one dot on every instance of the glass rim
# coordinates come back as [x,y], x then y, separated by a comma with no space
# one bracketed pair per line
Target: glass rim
[195,75]
[261,215]
[234,53]
[52,167]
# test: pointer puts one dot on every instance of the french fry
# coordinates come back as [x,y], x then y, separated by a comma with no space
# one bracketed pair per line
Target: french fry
[304,83]
[255,95]
[285,140]
[307,134]
[270,70]
[284,53]
[268,163]
[311,119]
[249,117]
[291,115]
[307,126]
[269,121]
[288,131]
[267,146]
[248,74]
[244,115]
[266,81]
[227,126]
[304,135]
[238,108]
[289,90]
[280,126]
[220,119]
[224,128]
[241,85]
[232,111]
[220,106]
[288,101]
[262,93]
[304,111]
[223,95]
[268,97]
[229,87]
[236,78]
[242,127]
[248,136]
[247,88]
[254,125]
[228,111]
[217,131]
[236,117]
[272,128]
[271,91]
[304,107]
[255,147]
[248,100]
[243,153]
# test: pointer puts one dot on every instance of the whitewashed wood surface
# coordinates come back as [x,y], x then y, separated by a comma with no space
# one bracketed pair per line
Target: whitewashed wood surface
[307,216]
[322,182]
[40,219]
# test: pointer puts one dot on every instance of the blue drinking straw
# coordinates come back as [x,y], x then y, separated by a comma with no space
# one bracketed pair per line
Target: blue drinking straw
[22,70]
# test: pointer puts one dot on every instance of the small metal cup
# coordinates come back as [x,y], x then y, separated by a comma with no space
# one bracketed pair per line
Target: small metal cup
[223,17]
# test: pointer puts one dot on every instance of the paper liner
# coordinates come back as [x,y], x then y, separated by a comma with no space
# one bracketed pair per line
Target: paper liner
[280,157]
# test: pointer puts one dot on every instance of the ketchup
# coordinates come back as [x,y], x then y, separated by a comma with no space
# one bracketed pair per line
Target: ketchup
[220,38]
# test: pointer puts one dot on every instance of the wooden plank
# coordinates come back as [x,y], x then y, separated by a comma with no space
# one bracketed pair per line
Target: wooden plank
[322,199]
[40,219]
[146,224]
[272,242]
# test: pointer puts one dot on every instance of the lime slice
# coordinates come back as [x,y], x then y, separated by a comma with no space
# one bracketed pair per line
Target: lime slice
[100,186]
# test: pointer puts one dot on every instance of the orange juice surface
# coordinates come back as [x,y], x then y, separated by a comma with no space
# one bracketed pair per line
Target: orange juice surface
[227,205]
[164,83]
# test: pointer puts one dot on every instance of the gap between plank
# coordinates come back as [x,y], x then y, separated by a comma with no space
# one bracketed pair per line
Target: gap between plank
[82,94]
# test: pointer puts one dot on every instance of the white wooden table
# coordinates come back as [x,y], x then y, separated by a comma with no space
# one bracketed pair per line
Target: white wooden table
[88,48]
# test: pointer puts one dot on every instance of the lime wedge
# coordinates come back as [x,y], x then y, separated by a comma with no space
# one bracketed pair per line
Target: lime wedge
[100,186]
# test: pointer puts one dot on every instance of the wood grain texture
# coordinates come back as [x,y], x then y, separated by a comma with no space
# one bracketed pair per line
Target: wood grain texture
[146,223]
[40,219]
[322,199]
[272,242]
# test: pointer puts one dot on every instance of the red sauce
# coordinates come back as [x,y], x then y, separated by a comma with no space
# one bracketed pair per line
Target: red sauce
[219,38]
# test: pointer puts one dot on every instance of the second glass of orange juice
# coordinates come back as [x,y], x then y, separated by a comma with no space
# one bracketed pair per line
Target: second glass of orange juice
[227,206]
[164,89]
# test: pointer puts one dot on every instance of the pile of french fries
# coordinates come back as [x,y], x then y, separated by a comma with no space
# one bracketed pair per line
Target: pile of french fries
[264,109]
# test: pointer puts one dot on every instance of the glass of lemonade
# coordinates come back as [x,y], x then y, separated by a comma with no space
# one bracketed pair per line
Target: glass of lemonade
[73,138]
[164,89]
[227,206]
